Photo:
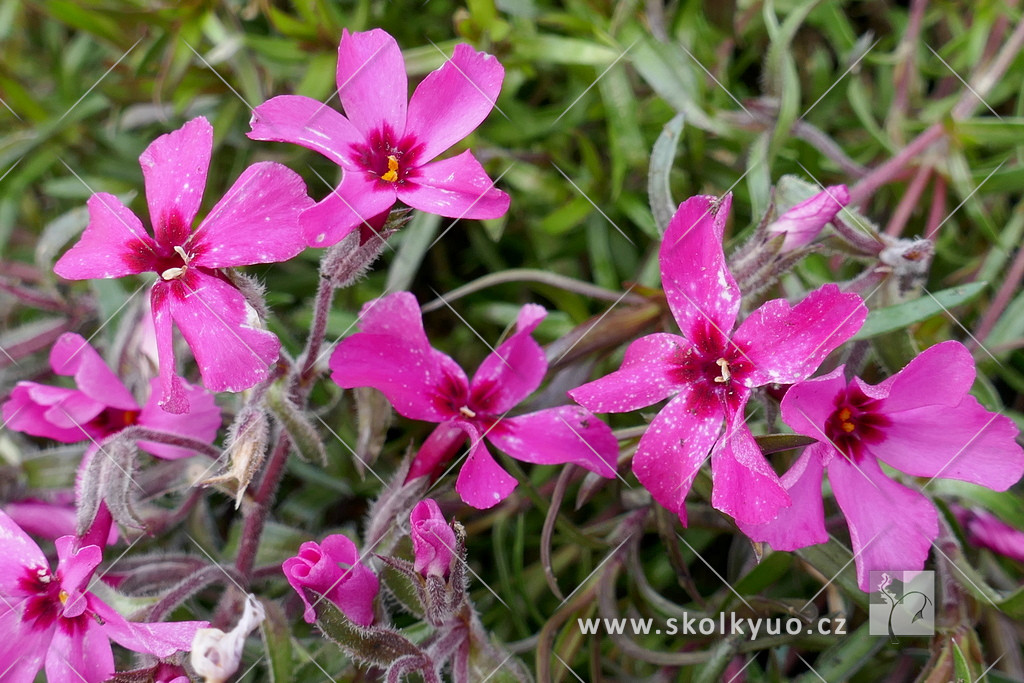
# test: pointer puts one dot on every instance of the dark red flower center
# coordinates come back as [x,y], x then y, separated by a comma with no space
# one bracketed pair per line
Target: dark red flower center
[714,368]
[45,600]
[855,422]
[387,159]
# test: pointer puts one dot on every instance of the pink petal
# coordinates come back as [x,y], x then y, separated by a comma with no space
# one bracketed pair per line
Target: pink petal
[19,552]
[114,244]
[394,315]
[162,639]
[941,375]
[24,412]
[173,398]
[891,527]
[175,167]
[745,486]
[646,377]
[443,444]
[357,586]
[514,369]
[482,482]
[701,291]
[257,221]
[452,101]
[433,540]
[372,84]
[217,323]
[75,567]
[671,451]
[79,653]
[567,434]
[787,344]
[356,201]
[965,442]
[807,406]
[47,520]
[803,522]
[72,355]
[457,187]
[200,423]
[802,223]
[312,568]
[23,648]
[307,122]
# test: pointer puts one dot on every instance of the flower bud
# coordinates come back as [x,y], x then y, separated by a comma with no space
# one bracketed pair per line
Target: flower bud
[433,541]
[333,570]
[802,223]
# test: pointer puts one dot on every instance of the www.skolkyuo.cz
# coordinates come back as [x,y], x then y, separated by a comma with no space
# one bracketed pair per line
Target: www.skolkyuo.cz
[725,624]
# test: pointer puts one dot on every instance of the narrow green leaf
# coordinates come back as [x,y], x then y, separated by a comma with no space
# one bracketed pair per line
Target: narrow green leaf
[659,190]
[896,317]
[960,666]
[277,642]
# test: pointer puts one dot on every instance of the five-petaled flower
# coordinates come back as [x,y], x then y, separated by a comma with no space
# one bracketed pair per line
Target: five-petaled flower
[920,421]
[255,222]
[332,568]
[392,354]
[101,405]
[433,541]
[710,371]
[50,618]
[384,143]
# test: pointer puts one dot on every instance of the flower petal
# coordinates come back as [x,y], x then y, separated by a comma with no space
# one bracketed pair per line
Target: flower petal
[174,167]
[257,221]
[162,639]
[216,321]
[372,84]
[307,122]
[114,244]
[357,586]
[786,344]
[79,652]
[891,526]
[23,648]
[803,522]
[701,291]
[802,223]
[965,442]
[807,406]
[20,552]
[356,201]
[172,393]
[75,567]
[744,485]
[52,419]
[457,187]
[646,377]
[200,423]
[514,369]
[555,436]
[671,451]
[452,101]
[482,482]
[72,355]
[941,375]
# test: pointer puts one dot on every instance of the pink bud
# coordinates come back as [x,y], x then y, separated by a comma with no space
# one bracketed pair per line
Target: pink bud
[802,223]
[333,570]
[433,540]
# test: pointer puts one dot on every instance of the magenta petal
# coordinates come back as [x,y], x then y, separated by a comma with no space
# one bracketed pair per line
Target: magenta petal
[891,526]
[73,355]
[214,318]
[802,223]
[114,244]
[175,167]
[19,552]
[372,84]
[965,442]
[433,540]
[555,436]
[23,412]
[257,221]
[46,520]
[941,375]
[807,406]
[745,486]
[803,522]
[394,315]
[701,291]
[75,567]
[79,653]
[172,393]
[356,201]
[646,376]
[307,122]
[23,649]
[671,451]
[457,187]
[357,586]
[200,423]
[482,482]
[451,102]
[787,344]
[161,639]
[514,369]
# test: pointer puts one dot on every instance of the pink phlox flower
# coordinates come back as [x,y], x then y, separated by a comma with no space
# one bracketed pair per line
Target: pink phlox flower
[433,541]
[333,569]
[985,530]
[921,421]
[710,370]
[392,354]
[386,144]
[100,405]
[50,619]
[255,222]
[802,223]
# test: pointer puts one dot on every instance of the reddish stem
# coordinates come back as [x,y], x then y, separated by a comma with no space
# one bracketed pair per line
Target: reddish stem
[1002,299]
[937,212]
[909,202]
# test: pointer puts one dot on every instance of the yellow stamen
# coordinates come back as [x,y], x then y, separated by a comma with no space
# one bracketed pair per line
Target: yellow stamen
[845,414]
[467,411]
[726,375]
[63,595]
[847,427]
[392,174]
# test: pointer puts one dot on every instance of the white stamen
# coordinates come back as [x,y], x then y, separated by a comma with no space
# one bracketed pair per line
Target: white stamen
[726,375]
[467,411]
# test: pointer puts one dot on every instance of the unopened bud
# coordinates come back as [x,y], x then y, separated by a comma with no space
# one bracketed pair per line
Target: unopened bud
[433,541]
[802,223]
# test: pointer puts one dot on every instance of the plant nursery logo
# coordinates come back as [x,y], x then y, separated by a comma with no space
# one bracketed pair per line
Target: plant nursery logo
[901,604]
